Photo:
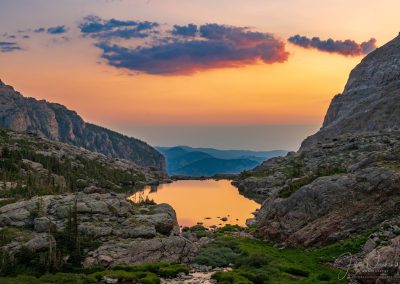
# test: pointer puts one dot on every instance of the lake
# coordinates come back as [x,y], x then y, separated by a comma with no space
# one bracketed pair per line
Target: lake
[204,201]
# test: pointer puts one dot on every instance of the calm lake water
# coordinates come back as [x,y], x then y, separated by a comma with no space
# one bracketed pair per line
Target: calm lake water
[205,201]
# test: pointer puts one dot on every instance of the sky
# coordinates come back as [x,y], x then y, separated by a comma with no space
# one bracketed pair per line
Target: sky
[213,73]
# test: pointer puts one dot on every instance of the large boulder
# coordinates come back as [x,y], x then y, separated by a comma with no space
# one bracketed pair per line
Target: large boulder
[131,233]
[172,249]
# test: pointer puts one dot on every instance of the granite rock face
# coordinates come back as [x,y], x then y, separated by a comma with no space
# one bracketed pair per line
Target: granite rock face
[345,179]
[329,191]
[56,122]
[370,99]
[128,233]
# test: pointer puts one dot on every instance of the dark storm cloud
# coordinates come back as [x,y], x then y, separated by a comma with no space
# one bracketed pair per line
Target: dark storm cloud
[188,30]
[107,29]
[6,46]
[346,47]
[217,46]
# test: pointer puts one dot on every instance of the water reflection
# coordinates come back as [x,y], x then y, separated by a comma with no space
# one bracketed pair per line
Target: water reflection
[202,201]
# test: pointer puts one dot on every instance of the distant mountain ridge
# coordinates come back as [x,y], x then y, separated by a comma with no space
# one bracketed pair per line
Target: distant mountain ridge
[190,161]
[56,122]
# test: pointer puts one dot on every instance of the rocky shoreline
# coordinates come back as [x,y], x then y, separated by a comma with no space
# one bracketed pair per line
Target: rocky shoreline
[128,233]
[344,181]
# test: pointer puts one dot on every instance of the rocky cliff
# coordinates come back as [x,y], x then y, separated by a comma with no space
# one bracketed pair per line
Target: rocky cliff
[345,179]
[369,101]
[56,122]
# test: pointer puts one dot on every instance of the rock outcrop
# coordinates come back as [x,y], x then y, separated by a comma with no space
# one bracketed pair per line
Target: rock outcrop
[345,178]
[369,101]
[127,233]
[56,122]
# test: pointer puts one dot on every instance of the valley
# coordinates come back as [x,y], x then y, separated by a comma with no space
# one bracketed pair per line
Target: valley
[184,161]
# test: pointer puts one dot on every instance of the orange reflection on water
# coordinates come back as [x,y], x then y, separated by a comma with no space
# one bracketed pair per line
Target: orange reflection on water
[205,201]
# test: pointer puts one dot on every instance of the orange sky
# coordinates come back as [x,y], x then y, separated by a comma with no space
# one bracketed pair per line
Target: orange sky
[296,92]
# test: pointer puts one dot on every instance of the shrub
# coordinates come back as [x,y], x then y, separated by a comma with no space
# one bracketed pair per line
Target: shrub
[256,260]
[67,278]
[324,277]
[173,270]
[167,270]
[257,276]
[219,253]
[20,279]
[121,275]
[229,228]
[150,279]
[230,277]
[297,272]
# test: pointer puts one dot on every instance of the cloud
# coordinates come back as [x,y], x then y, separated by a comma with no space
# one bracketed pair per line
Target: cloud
[217,46]
[6,46]
[189,30]
[346,47]
[38,30]
[97,27]
[57,30]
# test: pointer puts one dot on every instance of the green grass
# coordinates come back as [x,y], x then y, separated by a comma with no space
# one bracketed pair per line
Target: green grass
[163,269]
[65,278]
[258,262]
[7,235]
[145,274]
[125,276]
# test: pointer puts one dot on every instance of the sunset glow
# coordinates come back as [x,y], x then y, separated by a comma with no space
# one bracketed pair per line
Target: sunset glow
[292,89]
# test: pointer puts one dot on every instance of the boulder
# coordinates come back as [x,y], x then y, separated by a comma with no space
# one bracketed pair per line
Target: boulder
[40,242]
[130,232]
[43,225]
[171,249]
